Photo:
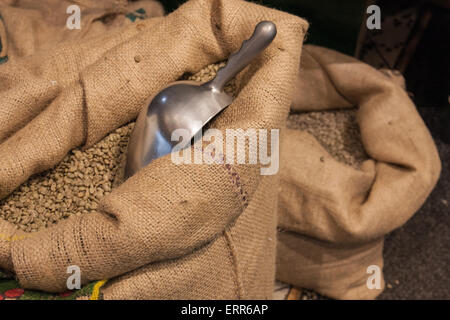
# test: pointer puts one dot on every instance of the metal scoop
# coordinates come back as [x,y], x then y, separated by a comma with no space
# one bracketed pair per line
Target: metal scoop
[189,105]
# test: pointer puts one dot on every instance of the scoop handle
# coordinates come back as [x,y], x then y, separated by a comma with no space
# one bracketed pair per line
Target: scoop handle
[264,33]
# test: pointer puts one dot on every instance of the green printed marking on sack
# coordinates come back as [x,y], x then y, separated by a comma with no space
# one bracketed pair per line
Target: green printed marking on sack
[3,56]
[140,13]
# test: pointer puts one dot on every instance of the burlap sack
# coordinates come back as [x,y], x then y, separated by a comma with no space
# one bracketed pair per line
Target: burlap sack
[171,231]
[333,217]
[32,25]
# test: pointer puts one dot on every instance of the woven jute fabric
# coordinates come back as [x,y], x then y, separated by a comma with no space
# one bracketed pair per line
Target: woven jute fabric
[332,216]
[170,231]
[33,25]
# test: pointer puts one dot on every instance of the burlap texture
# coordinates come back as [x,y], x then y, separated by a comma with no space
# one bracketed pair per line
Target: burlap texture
[8,234]
[333,216]
[171,231]
[34,25]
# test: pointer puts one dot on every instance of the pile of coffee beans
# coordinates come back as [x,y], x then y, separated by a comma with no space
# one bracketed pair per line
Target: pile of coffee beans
[337,131]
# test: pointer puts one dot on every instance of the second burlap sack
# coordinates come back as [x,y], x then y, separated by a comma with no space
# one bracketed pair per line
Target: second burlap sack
[333,217]
[171,231]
